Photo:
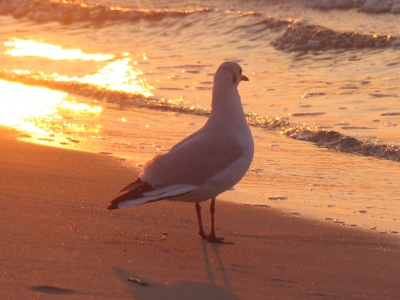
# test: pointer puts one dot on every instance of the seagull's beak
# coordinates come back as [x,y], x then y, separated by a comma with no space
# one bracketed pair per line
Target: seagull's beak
[245,78]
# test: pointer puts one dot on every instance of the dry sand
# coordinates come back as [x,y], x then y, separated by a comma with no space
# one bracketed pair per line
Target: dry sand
[59,242]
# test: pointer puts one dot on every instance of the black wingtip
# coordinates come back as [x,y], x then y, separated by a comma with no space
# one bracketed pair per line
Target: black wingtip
[130,195]
[112,206]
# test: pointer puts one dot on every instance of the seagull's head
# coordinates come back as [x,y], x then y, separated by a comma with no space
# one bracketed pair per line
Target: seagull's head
[230,73]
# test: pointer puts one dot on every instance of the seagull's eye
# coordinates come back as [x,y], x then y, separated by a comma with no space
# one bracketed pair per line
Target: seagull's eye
[234,78]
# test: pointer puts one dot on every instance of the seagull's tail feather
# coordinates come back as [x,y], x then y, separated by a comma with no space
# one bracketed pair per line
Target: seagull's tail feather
[145,193]
[134,192]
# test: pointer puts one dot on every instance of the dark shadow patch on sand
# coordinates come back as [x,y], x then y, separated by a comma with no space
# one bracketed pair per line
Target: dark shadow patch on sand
[283,280]
[180,290]
[48,289]
[324,296]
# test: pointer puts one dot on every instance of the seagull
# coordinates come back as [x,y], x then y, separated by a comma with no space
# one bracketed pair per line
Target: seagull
[204,164]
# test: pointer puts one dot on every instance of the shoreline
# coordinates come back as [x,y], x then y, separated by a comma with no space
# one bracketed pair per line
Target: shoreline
[326,197]
[58,238]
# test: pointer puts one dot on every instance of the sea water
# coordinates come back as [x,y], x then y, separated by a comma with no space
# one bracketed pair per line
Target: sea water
[132,78]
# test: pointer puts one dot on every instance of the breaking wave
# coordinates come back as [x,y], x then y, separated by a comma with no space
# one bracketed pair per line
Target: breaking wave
[290,35]
[368,6]
[303,37]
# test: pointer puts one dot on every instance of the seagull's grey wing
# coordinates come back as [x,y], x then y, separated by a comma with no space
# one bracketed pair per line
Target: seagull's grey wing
[189,137]
[194,160]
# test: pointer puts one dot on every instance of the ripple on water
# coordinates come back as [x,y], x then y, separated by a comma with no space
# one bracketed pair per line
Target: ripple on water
[381,95]
[312,94]
[306,113]
[390,113]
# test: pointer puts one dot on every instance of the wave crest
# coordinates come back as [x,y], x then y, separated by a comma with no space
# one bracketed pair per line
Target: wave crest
[42,11]
[368,6]
[302,37]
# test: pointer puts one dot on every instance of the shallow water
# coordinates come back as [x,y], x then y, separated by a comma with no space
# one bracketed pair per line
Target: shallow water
[133,77]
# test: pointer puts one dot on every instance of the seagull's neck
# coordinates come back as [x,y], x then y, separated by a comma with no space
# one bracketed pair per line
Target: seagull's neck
[227,108]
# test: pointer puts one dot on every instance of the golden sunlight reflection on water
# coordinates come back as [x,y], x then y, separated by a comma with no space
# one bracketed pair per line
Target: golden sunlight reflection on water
[41,111]
[117,75]
[21,47]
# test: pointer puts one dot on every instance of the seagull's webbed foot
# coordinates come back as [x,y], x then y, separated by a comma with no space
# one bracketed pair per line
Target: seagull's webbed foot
[212,238]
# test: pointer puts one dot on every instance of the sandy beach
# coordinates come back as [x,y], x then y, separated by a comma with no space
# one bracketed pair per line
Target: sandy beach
[58,241]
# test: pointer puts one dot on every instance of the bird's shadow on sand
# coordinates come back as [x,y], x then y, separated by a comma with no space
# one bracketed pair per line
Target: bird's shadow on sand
[183,289]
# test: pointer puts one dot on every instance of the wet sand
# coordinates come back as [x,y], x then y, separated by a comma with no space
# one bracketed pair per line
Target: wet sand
[57,239]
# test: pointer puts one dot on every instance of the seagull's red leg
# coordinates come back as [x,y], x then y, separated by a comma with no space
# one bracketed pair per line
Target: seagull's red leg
[212,237]
[201,230]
